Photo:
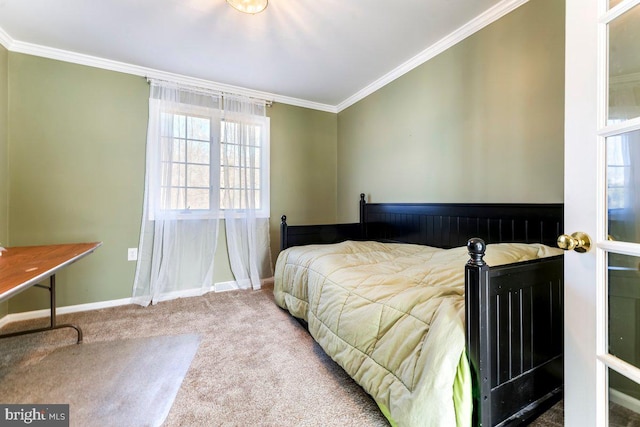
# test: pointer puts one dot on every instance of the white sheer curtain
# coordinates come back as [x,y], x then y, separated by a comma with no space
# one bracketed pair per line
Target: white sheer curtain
[179,230]
[244,158]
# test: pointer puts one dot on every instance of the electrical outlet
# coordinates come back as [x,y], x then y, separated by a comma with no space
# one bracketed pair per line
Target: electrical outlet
[132,254]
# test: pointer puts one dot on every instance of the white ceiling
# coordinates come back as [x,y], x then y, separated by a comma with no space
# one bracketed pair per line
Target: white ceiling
[325,54]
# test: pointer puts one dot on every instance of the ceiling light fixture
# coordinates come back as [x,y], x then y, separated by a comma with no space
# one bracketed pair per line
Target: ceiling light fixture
[249,6]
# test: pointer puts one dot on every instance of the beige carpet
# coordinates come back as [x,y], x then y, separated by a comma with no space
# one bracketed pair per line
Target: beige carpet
[124,371]
[255,366]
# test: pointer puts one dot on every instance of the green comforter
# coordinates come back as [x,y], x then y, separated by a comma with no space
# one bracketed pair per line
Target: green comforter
[392,315]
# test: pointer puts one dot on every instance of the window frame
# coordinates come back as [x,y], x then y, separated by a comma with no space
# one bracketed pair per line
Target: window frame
[216,118]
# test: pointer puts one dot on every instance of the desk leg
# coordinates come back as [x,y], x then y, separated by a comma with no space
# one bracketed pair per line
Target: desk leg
[52,325]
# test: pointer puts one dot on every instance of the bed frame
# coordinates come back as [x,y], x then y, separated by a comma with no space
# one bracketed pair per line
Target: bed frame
[514,312]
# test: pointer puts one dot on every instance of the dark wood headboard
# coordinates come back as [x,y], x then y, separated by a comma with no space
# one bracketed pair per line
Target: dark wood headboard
[444,225]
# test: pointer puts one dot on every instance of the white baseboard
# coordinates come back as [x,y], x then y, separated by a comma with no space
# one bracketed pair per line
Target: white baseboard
[196,292]
[233,285]
[182,294]
[625,400]
[226,286]
[4,320]
[217,287]
[27,315]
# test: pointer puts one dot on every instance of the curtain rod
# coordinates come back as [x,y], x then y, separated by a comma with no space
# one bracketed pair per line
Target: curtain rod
[266,101]
[202,89]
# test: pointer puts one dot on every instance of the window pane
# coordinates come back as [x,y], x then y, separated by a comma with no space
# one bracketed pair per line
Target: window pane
[614,3]
[621,413]
[615,196]
[179,126]
[230,133]
[623,187]
[230,177]
[239,199]
[197,198]
[165,176]
[198,176]
[229,154]
[198,152]
[198,128]
[165,149]
[258,197]
[624,308]
[172,198]
[616,175]
[178,175]
[229,199]
[178,150]
[173,174]
[225,179]
[243,178]
[624,67]
[257,156]
[249,156]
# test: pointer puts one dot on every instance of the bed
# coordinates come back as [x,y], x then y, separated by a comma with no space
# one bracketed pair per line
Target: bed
[502,363]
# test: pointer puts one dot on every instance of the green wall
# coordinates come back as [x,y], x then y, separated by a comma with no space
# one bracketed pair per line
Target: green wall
[77,156]
[303,168]
[481,122]
[4,166]
[76,151]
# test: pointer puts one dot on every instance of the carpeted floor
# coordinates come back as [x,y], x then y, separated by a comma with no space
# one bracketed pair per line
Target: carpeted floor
[554,417]
[69,375]
[255,364]
[619,416]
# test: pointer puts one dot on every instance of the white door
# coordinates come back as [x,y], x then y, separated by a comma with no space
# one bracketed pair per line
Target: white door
[602,199]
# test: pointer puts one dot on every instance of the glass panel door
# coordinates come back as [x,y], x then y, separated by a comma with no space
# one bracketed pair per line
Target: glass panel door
[619,318]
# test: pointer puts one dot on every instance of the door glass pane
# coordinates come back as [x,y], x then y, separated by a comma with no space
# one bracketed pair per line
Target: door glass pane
[624,308]
[622,391]
[623,187]
[624,66]
[614,3]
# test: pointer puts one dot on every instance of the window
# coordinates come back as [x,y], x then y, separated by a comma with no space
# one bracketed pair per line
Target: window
[207,164]
[244,161]
[186,163]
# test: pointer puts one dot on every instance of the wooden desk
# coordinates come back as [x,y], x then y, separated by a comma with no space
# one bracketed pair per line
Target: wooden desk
[25,266]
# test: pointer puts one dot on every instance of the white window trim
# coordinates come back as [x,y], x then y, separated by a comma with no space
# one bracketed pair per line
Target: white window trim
[216,117]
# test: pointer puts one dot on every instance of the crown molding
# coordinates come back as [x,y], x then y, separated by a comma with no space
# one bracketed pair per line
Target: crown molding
[471,27]
[5,39]
[122,67]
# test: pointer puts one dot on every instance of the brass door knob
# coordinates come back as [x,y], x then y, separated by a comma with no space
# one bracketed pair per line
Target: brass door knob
[578,241]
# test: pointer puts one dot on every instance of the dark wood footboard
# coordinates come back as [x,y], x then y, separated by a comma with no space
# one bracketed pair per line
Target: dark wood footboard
[514,316]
